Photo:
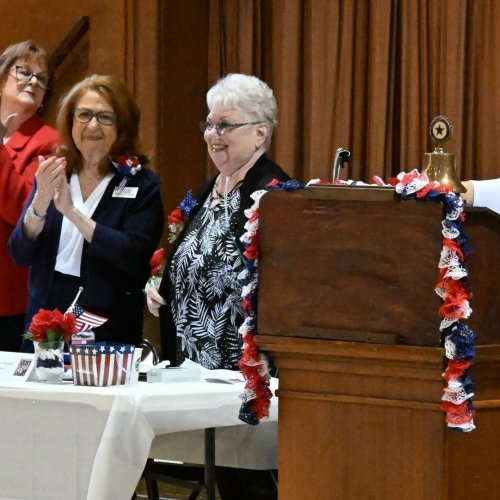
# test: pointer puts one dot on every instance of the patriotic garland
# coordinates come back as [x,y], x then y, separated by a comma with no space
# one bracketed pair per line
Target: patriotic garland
[253,364]
[453,288]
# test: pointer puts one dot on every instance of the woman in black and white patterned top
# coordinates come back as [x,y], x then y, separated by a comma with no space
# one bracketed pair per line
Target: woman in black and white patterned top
[199,300]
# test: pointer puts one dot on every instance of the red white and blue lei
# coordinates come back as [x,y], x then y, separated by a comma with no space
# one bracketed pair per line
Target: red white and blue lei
[453,288]
[254,365]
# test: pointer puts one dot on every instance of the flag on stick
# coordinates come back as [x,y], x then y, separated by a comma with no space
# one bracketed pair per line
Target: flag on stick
[84,320]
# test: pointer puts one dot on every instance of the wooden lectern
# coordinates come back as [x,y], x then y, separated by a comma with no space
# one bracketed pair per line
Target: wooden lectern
[347,309]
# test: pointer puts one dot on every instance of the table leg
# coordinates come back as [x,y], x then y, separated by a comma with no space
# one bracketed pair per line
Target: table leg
[210,463]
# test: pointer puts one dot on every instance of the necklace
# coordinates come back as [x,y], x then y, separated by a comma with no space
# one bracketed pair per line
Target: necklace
[216,195]
[88,178]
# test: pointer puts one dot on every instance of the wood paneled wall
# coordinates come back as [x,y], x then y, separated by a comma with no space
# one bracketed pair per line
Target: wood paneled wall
[158,48]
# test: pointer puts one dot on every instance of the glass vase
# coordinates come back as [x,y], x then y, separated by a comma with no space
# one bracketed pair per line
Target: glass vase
[49,359]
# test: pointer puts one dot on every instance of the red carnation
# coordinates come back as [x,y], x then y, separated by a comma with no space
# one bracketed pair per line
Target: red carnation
[176,217]
[41,323]
[68,326]
[156,261]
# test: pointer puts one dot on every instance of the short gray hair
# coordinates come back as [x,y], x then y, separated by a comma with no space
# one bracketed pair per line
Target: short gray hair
[248,93]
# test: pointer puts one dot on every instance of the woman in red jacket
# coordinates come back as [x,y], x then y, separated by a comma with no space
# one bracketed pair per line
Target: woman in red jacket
[24,79]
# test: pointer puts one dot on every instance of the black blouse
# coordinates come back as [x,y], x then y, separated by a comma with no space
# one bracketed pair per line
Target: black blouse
[206,304]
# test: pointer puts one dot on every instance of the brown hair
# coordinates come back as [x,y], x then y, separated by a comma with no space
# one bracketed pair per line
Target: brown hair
[124,106]
[27,51]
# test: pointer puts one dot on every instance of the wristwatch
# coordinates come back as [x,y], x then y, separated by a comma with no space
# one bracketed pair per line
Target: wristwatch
[31,214]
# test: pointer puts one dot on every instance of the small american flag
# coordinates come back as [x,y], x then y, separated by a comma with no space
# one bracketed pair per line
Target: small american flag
[85,320]
[101,364]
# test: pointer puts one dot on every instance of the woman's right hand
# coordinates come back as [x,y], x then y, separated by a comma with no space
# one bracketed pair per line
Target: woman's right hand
[4,125]
[154,301]
[48,177]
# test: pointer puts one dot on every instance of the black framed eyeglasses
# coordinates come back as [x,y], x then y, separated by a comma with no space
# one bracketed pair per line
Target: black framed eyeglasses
[223,127]
[84,115]
[25,74]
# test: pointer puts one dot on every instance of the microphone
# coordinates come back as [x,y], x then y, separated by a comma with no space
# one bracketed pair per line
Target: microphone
[341,156]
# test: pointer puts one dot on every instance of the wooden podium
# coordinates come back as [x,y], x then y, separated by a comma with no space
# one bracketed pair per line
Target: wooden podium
[347,309]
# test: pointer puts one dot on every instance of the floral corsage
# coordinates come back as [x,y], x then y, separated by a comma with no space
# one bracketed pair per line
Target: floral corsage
[127,166]
[156,264]
[179,216]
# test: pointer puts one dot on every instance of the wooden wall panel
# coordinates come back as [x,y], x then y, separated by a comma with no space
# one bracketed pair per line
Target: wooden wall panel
[158,48]
[122,40]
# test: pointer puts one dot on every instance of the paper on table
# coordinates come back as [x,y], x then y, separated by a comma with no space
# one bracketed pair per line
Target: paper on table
[222,376]
[15,366]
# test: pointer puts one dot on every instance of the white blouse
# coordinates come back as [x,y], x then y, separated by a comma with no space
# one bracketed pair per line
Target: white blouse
[69,253]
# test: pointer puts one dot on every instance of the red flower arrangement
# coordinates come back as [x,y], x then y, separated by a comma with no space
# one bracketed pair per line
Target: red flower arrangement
[48,326]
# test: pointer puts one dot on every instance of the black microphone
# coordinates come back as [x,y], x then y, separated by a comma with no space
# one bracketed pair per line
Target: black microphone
[342,156]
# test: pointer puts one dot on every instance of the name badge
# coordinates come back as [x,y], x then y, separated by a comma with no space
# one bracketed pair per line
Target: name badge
[126,192]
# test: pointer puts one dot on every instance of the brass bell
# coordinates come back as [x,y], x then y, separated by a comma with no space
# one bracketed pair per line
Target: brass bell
[438,165]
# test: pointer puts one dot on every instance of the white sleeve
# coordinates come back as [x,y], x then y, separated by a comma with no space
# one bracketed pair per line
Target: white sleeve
[487,194]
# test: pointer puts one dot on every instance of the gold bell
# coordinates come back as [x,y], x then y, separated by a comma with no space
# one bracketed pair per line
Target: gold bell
[438,165]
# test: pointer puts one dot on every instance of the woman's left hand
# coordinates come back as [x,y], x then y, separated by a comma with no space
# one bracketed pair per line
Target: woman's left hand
[64,203]
[154,301]
[62,196]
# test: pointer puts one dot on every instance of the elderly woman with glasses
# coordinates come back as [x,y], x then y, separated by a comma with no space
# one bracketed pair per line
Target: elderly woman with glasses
[94,216]
[24,80]
[199,300]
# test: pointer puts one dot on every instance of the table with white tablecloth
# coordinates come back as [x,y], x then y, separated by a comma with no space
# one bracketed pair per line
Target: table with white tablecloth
[61,441]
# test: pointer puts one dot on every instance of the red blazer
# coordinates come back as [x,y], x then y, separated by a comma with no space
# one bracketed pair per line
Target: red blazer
[18,164]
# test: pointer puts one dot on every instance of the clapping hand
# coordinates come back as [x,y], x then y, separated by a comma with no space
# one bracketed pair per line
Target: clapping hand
[49,176]
[62,196]
[4,125]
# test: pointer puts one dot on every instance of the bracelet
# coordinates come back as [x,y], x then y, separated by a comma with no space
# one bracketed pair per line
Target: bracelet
[31,214]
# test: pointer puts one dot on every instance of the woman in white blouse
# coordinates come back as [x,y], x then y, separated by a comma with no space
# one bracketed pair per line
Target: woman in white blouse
[95,216]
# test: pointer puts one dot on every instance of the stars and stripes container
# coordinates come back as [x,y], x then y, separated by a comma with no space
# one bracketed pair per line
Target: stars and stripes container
[102,363]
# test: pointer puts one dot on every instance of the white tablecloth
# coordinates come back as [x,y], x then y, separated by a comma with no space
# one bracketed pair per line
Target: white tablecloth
[73,442]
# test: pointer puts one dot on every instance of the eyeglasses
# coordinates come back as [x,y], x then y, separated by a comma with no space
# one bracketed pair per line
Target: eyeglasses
[84,115]
[25,74]
[223,127]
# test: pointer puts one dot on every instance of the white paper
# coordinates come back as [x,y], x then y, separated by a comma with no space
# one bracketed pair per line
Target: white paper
[15,365]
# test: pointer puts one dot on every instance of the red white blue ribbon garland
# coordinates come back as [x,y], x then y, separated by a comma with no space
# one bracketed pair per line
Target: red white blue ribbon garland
[254,365]
[457,338]
[453,288]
